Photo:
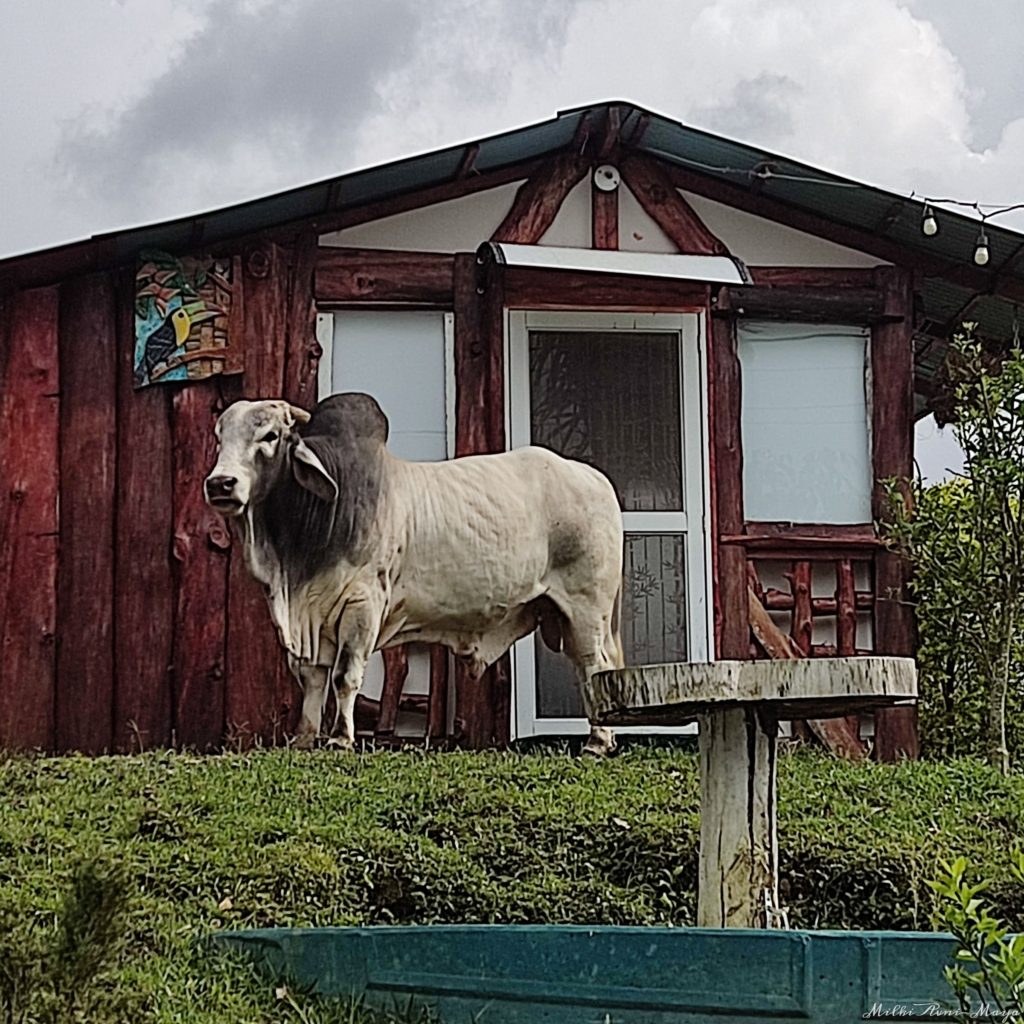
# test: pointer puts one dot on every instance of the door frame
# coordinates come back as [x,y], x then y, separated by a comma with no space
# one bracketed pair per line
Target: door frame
[693,521]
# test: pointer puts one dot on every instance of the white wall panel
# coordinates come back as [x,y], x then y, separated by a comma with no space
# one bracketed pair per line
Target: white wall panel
[761,242]
[638,231]
[806,441]
[456,225]
[399,358]
[572,224]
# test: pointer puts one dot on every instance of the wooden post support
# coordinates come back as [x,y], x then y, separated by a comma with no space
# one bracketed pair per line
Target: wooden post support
[739,847]
[738,705]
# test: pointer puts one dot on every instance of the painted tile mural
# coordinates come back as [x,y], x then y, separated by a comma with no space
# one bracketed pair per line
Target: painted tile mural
[183,308]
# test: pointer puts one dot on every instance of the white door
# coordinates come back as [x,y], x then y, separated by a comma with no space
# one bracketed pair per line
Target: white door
[625,393]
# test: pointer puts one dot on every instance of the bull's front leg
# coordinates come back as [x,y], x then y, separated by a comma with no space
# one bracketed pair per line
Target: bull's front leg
[313,680]
[357,637]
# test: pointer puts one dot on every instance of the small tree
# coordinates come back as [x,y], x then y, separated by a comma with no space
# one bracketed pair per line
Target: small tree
[970,550]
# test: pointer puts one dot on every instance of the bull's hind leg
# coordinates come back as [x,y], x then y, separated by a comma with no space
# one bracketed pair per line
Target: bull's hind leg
[586,643]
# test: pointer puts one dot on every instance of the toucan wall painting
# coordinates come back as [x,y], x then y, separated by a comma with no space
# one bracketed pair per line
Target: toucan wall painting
[182,316]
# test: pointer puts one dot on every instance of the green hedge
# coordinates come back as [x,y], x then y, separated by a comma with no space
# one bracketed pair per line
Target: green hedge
[287,838]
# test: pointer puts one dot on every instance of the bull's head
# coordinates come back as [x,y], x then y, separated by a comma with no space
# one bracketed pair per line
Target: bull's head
[257,443]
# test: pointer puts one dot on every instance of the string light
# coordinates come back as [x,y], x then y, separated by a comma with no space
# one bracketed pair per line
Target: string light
[981,247]
[930,224]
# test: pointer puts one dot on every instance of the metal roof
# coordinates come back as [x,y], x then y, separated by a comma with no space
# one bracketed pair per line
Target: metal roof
[950,282]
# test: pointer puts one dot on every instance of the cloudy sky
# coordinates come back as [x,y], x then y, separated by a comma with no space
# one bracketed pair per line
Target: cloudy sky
[118,112]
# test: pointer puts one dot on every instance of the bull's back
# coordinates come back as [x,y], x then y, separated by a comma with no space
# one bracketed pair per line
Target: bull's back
[488,531]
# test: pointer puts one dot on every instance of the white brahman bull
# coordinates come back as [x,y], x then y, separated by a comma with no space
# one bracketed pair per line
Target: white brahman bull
[358,550]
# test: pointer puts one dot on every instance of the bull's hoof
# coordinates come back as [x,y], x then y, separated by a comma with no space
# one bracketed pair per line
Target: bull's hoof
[340,743]
[600,743]
[304,741]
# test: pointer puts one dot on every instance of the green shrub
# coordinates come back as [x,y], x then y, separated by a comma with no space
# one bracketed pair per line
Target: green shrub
[988,975]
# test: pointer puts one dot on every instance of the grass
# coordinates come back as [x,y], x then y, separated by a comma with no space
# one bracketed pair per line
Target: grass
[166,848]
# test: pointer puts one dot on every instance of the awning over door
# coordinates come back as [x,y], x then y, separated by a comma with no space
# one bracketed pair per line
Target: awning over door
[677,266]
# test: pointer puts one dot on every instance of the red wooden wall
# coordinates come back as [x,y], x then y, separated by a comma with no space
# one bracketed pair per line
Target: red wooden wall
[129,620]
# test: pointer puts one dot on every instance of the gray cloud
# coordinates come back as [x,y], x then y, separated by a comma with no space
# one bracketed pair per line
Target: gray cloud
[256,84]
[757,108]
[270,95]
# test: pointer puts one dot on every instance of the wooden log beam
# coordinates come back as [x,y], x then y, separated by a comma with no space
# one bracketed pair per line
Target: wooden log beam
[731,617]
[539,198]
[302,350]
[437,714]
[396,671]
[610,134]
[345,275]
[782,601]
[802,627]
[604,212]
[892,456]
[654,191]
[88,460]
[813,277]
[29,520]
[806,305]
[533,288]
[480,428]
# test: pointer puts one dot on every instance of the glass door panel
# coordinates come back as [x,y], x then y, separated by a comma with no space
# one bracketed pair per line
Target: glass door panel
[623,393]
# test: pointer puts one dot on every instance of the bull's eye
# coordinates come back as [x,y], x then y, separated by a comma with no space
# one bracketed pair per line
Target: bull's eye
[269,438]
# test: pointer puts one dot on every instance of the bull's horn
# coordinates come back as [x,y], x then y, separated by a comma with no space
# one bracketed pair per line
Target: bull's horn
[300,415]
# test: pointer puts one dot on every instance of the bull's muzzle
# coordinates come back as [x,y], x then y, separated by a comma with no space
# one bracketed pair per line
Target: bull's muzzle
[220,494]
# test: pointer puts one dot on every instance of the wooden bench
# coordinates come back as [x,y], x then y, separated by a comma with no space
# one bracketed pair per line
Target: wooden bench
[738,705]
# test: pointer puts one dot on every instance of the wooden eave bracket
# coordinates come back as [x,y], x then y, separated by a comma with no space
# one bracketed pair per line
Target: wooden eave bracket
[539,199]
[655,192]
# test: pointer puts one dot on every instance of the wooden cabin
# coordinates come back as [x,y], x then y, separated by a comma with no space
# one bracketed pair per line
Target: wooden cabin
[741,341]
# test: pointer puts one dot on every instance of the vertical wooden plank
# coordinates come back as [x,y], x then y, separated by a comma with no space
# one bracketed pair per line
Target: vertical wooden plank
[604,207]
[892,444]
[802,628]
[846,610]
[437,713]
[302,358]
[846,623]
[29,457]
[144,594]
[479,428]
[261,695]
[200,548]
[396,671]
[85,578]
[726,388]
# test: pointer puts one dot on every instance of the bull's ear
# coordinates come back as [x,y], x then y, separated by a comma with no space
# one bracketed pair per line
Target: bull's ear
[310,473]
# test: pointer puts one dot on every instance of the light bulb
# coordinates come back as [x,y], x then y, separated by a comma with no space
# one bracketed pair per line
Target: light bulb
[929,225]
[981,249]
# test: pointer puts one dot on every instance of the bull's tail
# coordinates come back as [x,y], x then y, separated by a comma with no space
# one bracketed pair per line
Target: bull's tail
[615,638]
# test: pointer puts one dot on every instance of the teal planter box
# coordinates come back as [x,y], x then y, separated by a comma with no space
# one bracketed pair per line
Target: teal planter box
[495,974]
